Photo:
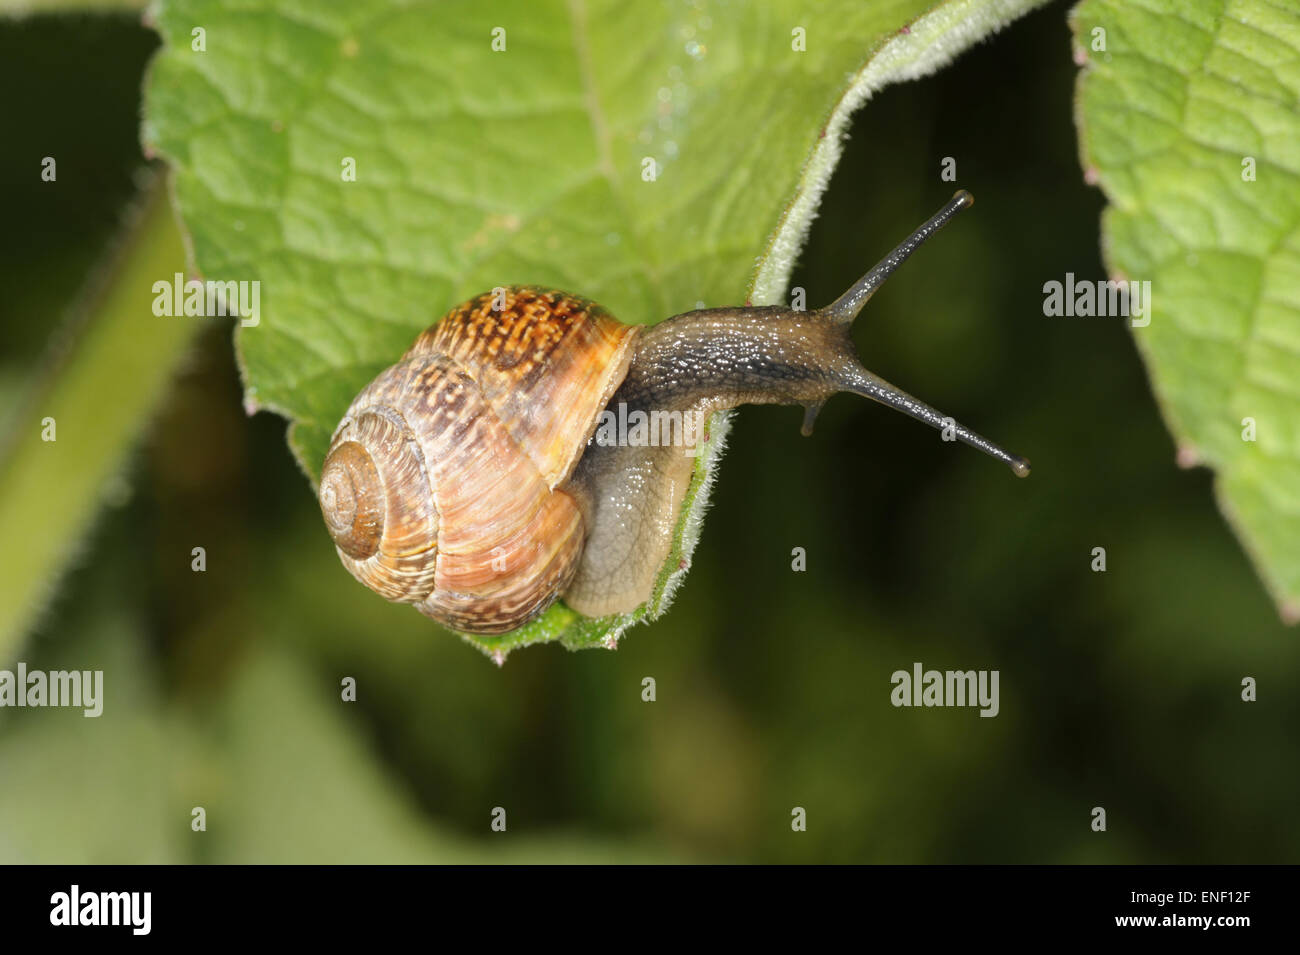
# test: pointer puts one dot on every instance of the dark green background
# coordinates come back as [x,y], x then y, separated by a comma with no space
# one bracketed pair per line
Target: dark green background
[1119,689]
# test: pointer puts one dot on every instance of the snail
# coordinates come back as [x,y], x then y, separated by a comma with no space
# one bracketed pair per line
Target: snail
[467,479]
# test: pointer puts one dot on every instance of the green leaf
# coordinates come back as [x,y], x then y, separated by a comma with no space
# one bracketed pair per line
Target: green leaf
[1186,101]
[478,167]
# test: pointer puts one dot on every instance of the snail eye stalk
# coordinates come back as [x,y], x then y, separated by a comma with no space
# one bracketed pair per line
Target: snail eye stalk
[846,308]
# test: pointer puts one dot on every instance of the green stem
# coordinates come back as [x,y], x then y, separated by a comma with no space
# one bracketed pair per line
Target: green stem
[103,374]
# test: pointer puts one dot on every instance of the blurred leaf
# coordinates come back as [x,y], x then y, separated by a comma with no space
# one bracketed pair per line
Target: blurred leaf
[477,167]
[299,784]
[1182,102]
[17,8]
[104,373]
[93,790]
[281,777]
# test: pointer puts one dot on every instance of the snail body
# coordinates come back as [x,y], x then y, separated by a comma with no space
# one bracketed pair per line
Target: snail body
[466,479]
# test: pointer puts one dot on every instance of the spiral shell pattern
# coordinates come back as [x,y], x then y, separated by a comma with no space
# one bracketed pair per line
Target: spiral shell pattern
[441,486]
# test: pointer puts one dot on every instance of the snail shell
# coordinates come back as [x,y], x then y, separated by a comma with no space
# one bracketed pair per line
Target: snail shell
[440,488]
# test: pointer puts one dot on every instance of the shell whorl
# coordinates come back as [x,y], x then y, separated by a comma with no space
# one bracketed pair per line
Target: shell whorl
[352,500]
[440,486]
[377,496]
